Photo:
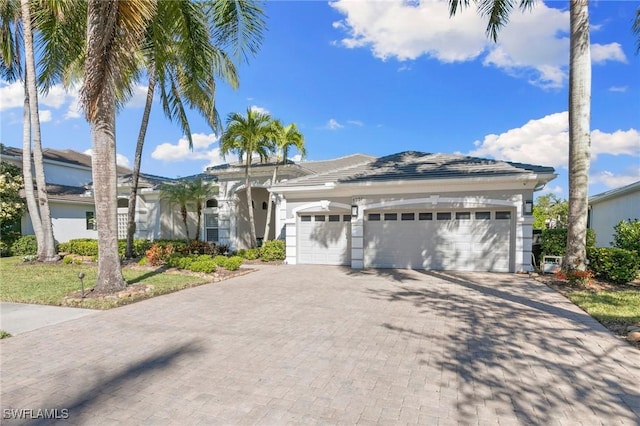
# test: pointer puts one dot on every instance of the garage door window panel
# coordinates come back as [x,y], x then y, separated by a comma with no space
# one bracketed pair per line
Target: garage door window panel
[483,215]
[391,216]
[425,216]
[374,217]
[443,216]
[408,216]
[506,215]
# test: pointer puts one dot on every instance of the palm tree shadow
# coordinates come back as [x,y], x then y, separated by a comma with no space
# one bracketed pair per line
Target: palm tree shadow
[146,275]
[86,398]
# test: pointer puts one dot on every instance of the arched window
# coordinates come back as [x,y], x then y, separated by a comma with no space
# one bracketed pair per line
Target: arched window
[264,205]
[212,203]
[123,203]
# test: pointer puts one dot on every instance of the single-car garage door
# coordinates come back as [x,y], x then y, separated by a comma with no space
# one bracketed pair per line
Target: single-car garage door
[470,240]
[324,239]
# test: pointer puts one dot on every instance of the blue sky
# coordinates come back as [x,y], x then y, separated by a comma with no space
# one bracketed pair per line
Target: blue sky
[382,77]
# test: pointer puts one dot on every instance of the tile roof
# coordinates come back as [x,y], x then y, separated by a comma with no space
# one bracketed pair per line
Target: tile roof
[65,193]
[68,156]
[412,165]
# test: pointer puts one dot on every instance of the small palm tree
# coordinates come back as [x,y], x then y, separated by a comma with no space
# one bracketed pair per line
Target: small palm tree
[199,192]
[285,138]
[178,193]
[246,136]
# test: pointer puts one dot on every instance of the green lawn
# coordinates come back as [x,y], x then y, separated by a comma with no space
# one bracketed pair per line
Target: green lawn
[48,284]
[621,307]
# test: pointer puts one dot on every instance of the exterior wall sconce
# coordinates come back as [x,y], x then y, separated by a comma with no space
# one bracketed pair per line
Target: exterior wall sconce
[354,210]
[528,207]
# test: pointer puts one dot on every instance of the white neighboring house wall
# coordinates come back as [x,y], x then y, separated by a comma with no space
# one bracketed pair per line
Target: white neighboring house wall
[609,208]
[69,221]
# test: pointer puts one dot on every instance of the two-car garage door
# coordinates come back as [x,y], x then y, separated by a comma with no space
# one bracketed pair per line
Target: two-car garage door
[472,240]
[440,240]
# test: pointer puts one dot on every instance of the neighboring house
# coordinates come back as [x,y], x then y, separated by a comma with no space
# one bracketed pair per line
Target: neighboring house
[413,210]
[607,209]
[68,175]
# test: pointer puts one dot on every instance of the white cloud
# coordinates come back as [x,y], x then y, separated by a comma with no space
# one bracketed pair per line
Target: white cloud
[546,140]
[355,123]
[258,109]
[205,147]
[551,190]
[121,160]
[612,180]
[333,124]
[607,52]
[534,45]
[138,96]
[45,115]
[11,95]
[620,89]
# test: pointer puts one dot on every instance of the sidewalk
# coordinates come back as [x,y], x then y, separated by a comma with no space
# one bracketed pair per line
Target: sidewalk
[17,318]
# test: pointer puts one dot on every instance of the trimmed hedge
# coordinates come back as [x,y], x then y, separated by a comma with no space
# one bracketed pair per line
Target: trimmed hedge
[272,250]
[554,241]
[614,264]
[234,263]
[627,235]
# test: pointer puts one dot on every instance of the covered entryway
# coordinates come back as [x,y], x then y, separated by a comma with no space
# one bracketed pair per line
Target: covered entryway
[465,240]
[324,238]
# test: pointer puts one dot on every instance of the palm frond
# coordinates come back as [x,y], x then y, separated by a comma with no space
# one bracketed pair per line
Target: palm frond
[239,26]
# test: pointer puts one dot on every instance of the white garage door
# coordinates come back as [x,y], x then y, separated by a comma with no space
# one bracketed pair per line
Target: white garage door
[324,239]
[464,240]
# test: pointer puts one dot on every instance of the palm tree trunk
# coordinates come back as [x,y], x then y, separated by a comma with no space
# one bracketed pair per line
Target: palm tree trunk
[579,134]
[267,225]
[247,182]
[48,250]
[199,222]
[103,161]
[32,205]
[135,177]
[185,216]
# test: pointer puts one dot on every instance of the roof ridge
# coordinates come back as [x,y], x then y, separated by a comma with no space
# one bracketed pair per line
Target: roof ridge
[326,172]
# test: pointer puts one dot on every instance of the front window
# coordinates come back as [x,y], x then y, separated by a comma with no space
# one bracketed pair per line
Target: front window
[91,221]
[211,227]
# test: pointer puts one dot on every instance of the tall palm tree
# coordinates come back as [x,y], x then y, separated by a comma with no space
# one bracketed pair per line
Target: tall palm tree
[186,71]
[285,138]
[16,38]
[579,111]
[246,136]
[178,193]
[199,192]
[115,31]
[46,246]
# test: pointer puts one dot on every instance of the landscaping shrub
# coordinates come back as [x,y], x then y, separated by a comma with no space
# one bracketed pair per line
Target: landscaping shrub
[251,254]
[614,264]
[627,235]
[554,241]
[67,260]
[5,249]
[221,261]
[140,246]
[203,263]
[234,263]
[25,246]
[272,250]
[157,254]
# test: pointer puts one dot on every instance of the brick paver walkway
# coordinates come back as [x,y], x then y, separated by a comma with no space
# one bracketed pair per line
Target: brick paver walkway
[327,345]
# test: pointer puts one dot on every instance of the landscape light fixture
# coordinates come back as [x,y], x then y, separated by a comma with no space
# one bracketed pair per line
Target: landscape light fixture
[80,277]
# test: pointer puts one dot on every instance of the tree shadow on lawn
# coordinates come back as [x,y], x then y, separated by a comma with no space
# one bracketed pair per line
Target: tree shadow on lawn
[507,344]
[80,408]
[152,273]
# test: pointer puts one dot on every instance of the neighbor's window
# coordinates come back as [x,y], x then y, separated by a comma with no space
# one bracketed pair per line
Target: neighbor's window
[425,216]
[391,216]
[334,218]
[443,215]
[91,220]
[483,215]
[374,216]
[463,215]
[503,215]
[408,216]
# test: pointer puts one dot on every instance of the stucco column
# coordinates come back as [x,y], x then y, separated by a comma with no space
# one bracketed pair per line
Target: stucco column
[290,241]
[357,236]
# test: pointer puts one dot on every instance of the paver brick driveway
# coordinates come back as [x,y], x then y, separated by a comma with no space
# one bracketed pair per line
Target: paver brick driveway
[327,345]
